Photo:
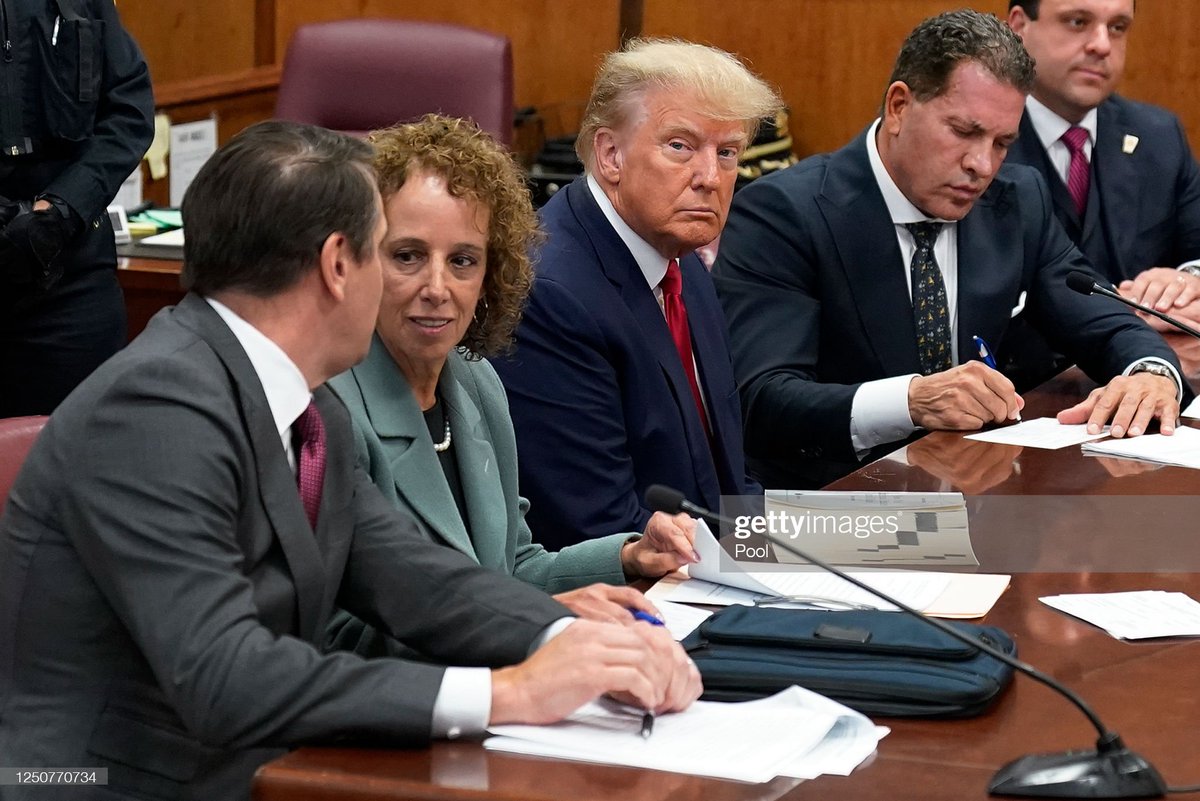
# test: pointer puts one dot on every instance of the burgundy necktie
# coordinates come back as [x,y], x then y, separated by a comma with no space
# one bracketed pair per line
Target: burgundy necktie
[677,322]
[1079,173]
[309,438]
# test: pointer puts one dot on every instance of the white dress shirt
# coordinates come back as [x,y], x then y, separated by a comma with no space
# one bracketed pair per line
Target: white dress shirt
[879,412]
[464,701]
[1050,128]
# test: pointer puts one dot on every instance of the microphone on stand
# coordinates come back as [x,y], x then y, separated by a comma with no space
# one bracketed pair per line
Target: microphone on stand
[1110,771]
[1085,284]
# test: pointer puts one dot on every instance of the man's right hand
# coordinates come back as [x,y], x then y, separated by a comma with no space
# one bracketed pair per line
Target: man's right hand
[963,398]
[640,665]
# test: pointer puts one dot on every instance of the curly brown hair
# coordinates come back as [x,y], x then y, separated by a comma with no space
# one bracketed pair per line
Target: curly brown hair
[474,166]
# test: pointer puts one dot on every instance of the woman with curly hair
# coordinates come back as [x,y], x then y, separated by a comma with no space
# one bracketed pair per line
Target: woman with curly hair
[431,418]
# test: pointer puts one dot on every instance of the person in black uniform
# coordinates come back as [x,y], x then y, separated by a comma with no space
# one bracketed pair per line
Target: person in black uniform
[76,117]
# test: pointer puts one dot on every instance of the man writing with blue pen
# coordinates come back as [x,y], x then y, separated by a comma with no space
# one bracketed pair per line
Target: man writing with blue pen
[855,282]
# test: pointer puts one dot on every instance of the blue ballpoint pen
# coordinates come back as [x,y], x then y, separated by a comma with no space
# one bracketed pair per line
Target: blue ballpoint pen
[648,715]
[985,355]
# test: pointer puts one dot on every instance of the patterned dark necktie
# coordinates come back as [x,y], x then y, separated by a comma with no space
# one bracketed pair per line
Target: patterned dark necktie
[677,323]
[308,434]
[1079,173]
[930,310]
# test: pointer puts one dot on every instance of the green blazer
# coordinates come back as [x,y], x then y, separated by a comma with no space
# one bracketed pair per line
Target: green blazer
[392,443]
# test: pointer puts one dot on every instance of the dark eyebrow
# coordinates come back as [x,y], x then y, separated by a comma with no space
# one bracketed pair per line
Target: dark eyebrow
[971,125]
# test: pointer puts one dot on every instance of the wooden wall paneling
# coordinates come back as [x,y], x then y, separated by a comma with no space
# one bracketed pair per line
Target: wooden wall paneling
[831,58]
[556,43]
[1163,63]
[264,33]
[184,40]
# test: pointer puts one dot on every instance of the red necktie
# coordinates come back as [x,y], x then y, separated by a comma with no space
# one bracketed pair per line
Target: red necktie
[677,322]
[1078,174]
[308,434]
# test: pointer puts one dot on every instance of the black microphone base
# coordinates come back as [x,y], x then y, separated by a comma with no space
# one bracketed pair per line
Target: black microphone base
[1117,773]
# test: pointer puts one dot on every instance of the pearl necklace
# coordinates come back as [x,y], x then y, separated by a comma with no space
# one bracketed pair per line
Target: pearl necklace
[444,445]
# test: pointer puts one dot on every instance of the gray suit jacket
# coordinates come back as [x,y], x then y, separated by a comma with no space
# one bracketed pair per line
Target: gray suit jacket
[161,591]
[392,443]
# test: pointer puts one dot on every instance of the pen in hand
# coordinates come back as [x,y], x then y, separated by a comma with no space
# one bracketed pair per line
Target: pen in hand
[648,715]
[985,355]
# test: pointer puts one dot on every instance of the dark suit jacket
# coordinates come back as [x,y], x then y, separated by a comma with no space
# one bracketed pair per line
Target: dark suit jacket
[161,591]
[1144,207]
[815,290]
[598,395]
[1143,210]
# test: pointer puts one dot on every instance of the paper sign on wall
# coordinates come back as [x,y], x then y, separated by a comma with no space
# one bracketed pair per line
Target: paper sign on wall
[191,145]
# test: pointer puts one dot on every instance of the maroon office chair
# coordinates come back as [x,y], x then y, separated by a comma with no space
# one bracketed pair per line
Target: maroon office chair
[16,438]
[356,75]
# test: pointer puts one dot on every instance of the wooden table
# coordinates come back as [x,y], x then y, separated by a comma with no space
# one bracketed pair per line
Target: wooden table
[1145,691]
[149,285]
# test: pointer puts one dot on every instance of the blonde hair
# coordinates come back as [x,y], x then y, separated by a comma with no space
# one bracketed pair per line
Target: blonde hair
[474,166]
[726,89]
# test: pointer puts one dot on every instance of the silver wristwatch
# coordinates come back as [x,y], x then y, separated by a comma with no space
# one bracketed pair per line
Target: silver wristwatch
[1154,368]
[1191,269]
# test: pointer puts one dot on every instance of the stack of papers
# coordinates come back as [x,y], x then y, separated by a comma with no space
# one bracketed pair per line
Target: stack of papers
[795,733]
[873,529]
[1134,615]
[170,239]
[720,581]
[1044,432]
[1181,449]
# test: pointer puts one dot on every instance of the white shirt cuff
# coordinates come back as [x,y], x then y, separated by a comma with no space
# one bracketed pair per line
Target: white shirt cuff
[464,701]
[1169,366]
[1192,263]
[880,413]
[553,630]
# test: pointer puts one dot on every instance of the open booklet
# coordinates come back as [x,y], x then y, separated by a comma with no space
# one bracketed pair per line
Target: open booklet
[795,733]
[719,580]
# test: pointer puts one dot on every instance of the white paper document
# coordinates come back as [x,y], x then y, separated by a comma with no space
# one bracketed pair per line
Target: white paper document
[171,239]
[1134,615]
[873,529]
[719,581]
[681,620]
[752,741]
[1181,449]
[1044,432]
[1193,409]
[192,143]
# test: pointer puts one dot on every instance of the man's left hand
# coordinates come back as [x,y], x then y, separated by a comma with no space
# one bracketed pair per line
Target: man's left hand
[1130,402]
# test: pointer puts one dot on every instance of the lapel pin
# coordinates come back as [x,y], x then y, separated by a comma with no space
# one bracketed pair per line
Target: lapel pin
[1130,144]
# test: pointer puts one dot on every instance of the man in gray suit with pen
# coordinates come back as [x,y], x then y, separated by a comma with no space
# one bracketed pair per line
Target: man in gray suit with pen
[190,515]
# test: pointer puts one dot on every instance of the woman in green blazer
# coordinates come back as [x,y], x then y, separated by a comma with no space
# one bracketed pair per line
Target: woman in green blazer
[431,418]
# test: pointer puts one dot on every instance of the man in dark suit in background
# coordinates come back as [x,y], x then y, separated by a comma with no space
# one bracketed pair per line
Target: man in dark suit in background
[188,518]
[1125,185]
[855,281]
[621,376]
